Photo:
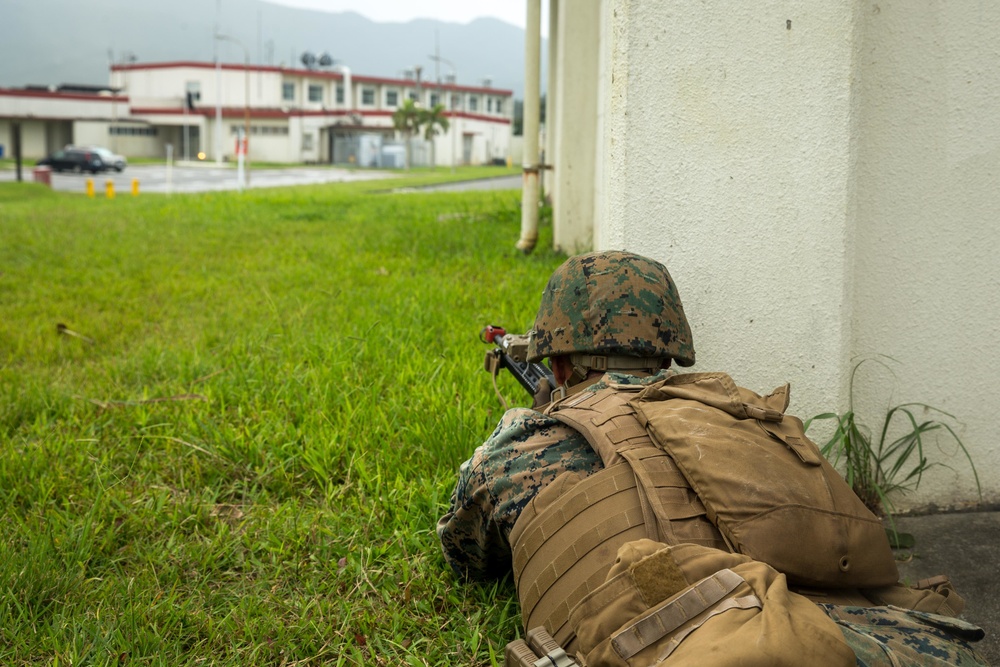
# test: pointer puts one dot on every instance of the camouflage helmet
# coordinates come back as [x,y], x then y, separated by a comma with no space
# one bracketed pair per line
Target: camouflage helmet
[612,303]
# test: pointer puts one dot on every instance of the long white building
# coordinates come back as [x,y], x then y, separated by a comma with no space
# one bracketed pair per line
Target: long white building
[293,115]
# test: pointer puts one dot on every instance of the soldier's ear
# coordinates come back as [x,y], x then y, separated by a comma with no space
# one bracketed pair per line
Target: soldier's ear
[562,368]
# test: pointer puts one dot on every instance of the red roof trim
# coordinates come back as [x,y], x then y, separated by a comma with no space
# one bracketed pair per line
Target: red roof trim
[317,74]
[238,112]
[18,92]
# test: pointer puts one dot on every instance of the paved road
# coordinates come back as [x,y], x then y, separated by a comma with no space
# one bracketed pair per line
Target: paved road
[205,178]
[156,178]
[498,183]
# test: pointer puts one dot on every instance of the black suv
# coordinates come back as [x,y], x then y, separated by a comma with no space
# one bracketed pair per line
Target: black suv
[73,159]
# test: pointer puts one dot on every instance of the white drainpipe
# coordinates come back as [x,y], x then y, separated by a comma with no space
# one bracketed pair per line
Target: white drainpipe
[348,93]
[532,77]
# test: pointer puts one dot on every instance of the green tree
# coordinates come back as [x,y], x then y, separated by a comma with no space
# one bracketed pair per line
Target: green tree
[407,119]
[434,122]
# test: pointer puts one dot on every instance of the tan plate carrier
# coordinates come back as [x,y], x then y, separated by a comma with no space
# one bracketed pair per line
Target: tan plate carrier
[566,540]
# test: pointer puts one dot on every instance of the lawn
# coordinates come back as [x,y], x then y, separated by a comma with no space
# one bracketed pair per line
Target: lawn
[229,423]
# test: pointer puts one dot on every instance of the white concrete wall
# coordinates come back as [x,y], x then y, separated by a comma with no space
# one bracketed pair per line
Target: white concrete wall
[33,141]
[821,180]
[927,280]
[726,158]
[574,130]
[90,133]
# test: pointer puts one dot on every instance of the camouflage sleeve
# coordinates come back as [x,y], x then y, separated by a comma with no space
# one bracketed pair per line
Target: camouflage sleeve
[526,451]
[892,636]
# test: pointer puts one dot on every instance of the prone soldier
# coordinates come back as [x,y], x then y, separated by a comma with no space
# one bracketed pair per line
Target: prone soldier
[651,517]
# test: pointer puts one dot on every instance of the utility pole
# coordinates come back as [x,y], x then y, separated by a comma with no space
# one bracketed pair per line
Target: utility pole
[242,150]
[218,86]
[452,125]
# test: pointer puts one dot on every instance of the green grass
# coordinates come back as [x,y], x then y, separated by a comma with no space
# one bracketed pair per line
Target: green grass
[241,457]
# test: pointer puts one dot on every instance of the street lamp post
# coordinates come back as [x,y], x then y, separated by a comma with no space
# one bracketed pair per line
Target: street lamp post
[242,153]
[454,112]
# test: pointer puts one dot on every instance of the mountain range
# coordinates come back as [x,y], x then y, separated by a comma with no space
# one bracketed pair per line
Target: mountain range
[53,42]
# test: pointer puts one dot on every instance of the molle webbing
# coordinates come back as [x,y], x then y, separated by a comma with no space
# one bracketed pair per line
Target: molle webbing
[606,419]
[564,551]
[672,511]
[693,602]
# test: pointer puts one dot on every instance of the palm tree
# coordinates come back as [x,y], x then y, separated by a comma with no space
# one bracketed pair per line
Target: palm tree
[434,122]
[407,119]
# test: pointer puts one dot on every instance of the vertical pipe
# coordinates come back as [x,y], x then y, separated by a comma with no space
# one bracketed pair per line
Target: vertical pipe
[218,85]
[532,77]
[549,186]
[246,120]
[15,129]
[348,88]
[218,111]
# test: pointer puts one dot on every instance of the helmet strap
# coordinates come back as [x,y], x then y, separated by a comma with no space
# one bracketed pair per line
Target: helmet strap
[584,363]
[579,374]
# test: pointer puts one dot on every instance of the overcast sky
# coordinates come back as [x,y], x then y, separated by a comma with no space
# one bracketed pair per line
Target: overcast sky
[401,11]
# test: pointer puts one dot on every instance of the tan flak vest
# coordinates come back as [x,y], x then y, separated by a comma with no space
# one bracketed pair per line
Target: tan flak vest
[566,540]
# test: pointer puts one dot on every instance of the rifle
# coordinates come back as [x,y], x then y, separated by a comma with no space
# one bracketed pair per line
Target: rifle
[540,649]
[511,352]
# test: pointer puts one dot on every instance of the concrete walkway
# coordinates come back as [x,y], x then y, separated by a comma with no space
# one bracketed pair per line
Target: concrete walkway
[966,547]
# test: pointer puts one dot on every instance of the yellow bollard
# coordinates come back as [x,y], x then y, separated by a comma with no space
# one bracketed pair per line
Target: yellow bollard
[135,187]
[90,187]
[109,188]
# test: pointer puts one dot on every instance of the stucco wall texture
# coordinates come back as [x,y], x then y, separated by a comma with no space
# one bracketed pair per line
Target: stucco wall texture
[822,181]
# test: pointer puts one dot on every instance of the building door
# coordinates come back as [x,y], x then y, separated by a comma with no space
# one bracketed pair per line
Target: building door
[467,148]
[190,142]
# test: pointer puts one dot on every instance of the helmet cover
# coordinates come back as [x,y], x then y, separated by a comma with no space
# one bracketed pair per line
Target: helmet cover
[611,303]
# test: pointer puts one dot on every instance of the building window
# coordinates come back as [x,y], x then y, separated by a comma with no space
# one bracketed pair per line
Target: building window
[456,101]
[308,141]
[435,100]
[261,129]
[193,90]
[368,97]
[489,104]
[288,91]
[391,98]
[129,131]
[340,94]
[473,103]
[499,105]
[414,95]
[315,93]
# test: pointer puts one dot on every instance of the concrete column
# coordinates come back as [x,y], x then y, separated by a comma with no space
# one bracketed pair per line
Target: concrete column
[573,119]
[927,276]
[551,88]
[727,152]
[532,77]
[820,179]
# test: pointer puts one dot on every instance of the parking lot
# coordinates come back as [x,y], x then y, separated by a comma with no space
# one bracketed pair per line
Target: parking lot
[200,178]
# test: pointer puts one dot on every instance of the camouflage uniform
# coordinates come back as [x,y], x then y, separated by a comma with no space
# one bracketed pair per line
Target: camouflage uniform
[617,303]
[526,452]
[905,638]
